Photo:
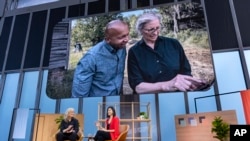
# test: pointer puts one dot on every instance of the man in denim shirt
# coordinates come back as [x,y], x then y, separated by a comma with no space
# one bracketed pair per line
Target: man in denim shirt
[100,72]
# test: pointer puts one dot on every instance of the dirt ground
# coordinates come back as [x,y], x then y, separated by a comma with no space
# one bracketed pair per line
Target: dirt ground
[201,63]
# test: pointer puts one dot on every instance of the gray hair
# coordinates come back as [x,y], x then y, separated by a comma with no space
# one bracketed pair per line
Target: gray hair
[146,18]
[67,112]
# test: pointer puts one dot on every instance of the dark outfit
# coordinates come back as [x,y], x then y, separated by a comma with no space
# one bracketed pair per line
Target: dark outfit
[162,63]
[102,135]
[60,136]
[78,47]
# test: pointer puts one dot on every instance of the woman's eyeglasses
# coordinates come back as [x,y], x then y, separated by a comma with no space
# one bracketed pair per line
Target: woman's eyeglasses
[152,30]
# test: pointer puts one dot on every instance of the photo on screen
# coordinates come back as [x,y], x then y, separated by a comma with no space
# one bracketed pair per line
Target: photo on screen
[73,38]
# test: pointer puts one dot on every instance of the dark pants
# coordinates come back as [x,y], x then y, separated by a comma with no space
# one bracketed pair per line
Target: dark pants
[102,136]
[66,136]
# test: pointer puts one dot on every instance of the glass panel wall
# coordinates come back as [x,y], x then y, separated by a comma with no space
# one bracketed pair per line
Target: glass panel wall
[229,73]
[8,103]
[247,58]
[47,105]
[26,3]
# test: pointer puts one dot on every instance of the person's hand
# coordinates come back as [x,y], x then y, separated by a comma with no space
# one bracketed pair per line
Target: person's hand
[183,83]
[70,127]
[71,131]
[97,124]
[103,129]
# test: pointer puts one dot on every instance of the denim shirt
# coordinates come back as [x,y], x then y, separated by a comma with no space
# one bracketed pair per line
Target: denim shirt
[100,72]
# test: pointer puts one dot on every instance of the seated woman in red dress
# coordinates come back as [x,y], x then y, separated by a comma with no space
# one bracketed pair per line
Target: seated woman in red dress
[111,130]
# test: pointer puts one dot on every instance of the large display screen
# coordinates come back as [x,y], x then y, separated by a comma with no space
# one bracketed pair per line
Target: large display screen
[184,22]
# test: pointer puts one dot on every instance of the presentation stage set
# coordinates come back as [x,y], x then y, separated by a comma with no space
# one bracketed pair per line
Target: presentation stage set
[182,78]
[185,22]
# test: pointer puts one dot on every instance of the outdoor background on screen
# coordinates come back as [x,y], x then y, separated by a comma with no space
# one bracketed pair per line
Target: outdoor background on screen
[185,22]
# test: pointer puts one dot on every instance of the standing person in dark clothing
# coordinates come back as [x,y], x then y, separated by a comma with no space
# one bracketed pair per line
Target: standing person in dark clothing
[78,47]
[157,63]
[111,130]
[69,127]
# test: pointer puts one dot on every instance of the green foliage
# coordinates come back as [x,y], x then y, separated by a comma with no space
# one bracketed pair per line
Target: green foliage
[144,115]
[200,38]
[91,29]
[192,37]
[59,120]
[178,17]
[221,129]
[74,59]
[131,20]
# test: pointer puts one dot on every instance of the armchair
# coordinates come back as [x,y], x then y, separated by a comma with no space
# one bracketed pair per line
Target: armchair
[123,133]
[80,134]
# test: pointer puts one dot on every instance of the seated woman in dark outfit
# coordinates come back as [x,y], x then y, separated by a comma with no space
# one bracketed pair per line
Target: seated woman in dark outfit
[157,63]
[111,130]
[69,127]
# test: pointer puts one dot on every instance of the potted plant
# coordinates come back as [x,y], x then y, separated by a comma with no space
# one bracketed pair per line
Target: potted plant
[220,128]
[59,120]
[143,115]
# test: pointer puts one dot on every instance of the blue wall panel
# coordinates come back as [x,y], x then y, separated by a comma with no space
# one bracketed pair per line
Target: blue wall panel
[233,102]
[151,99]
[170,104]
[7,104]
[26,3]
[113,99]
[29,130]
[90,111]
[29,90]
[69,102]
[47,105]
[210,104]
[28,97]
[247,58]
[206,105]
[229,72]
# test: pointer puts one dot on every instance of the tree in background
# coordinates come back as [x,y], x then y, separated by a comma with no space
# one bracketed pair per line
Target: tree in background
[186,20]
[181,17]
[131,20]
[90,31]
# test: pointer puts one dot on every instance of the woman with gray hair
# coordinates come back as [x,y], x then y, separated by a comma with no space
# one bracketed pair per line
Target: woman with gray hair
[157,63]
[69,127]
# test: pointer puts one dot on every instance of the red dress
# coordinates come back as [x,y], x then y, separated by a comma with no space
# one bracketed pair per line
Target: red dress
[114,125]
